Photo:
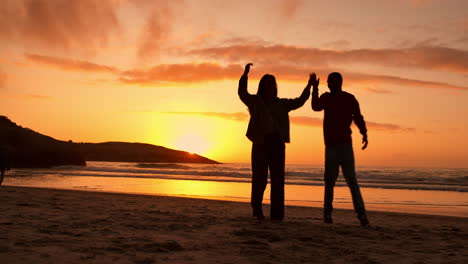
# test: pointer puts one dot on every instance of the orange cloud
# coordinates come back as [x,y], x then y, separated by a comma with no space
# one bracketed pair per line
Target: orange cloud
[182,73]
[3,78]
[37,97]
[419,3]
[306,121]
[389,127]
[464,24]
[317,122]
[366,79]
[422,57]
[338,44]
[289,7]
[65,25]
[300,74]
[379,91]
[238,116]
[298,120]
[202,72]
[157,29]
[70,65]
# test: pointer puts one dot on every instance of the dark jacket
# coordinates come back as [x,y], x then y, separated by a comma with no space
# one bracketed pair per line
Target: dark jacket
[272,118]
[340,110]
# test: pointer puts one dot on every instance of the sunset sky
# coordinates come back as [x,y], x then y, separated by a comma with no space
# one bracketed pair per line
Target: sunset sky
[166,72]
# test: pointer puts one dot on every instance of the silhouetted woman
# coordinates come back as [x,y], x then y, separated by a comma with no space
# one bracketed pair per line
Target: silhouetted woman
[269,131]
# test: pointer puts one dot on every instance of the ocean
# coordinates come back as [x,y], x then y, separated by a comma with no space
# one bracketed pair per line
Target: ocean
[442,191]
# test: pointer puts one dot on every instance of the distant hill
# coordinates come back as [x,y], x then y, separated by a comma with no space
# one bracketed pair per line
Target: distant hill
[137,152]
[29,149]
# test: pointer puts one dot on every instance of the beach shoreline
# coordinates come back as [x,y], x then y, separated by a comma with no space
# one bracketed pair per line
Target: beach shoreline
[72,226]
[376,199]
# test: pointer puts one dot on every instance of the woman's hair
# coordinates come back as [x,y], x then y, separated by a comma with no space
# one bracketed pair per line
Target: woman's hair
[262,86]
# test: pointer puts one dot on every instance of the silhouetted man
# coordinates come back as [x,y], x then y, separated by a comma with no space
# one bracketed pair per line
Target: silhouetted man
[269,131]
[341,108]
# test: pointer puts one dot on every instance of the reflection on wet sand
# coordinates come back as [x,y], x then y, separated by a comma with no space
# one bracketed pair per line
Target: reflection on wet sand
[406,201]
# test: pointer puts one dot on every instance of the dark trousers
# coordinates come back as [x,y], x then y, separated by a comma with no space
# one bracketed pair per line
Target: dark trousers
[270,154]
[336,156]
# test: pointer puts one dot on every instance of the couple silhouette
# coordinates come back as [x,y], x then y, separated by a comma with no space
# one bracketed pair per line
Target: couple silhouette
[268,130]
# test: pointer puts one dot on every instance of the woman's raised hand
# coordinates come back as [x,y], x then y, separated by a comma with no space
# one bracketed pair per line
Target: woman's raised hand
[247,68]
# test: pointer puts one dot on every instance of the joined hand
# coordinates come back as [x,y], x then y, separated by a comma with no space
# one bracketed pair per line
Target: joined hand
[313,81]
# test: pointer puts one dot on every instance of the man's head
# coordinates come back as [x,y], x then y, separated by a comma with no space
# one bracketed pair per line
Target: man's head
[335,81]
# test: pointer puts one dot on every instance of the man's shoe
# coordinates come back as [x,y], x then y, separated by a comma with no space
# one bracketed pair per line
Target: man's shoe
[327,218]
[276,219]
[258,214]
[363,220]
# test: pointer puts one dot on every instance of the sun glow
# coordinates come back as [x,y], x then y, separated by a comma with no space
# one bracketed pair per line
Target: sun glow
[193,143]
[214,138]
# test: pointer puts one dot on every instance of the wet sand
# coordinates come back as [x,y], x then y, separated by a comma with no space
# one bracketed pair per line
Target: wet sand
[63,226]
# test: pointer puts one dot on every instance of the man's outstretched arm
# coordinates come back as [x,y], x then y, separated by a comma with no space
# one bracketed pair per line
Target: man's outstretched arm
[316,102]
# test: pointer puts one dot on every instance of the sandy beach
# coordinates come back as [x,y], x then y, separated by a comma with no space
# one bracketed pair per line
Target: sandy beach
[61,226]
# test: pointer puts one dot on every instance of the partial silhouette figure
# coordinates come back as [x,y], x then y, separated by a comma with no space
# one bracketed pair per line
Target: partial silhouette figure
[268,130]
[341,108]
[4,163]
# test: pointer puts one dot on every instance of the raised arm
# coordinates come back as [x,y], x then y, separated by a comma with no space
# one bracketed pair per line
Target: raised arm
[300,101]
[360,123]
[316,102]
[244,95]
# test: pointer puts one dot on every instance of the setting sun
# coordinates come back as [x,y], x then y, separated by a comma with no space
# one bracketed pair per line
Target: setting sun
[193,143]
